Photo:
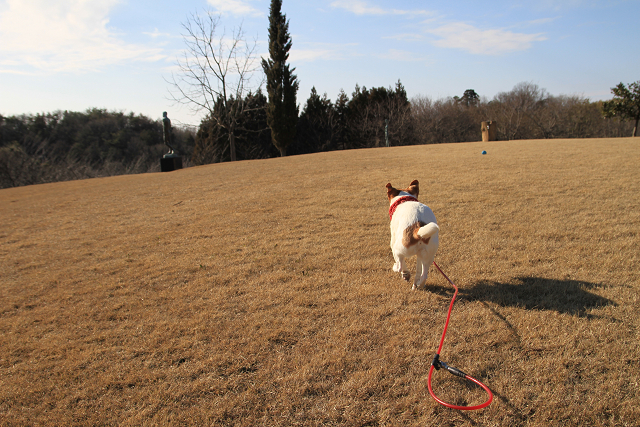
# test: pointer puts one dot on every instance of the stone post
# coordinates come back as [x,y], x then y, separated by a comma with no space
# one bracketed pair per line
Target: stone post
[488,130]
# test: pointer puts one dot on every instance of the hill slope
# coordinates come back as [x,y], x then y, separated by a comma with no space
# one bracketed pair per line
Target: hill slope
[261,292]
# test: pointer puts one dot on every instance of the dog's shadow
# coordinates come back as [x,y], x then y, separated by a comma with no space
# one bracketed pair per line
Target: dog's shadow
[536,293]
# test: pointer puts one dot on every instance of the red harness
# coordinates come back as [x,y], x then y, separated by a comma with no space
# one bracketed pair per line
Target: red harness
[401,200]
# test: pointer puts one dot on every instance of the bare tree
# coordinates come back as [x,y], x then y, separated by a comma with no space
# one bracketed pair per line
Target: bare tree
[214,73]
[516,110]
[445,120]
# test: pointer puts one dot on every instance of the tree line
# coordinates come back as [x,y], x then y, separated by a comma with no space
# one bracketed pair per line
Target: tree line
[322,125]
[67,145]
[525,112]
[371,117]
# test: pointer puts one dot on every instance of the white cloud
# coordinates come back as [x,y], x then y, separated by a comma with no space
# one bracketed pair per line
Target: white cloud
[62,35]
[463,36]
[310,55]
[156,34]
[406,37]
[396,55]
[360,7]
[566,4]
[234,7]
[321,51]
[542,21]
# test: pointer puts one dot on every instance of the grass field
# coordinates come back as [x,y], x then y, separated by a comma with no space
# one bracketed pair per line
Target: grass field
[261,292]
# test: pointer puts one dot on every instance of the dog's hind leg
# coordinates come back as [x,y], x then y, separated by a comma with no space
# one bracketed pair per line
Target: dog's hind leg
[417,281]
[400,267]
[422,271]
[424,260]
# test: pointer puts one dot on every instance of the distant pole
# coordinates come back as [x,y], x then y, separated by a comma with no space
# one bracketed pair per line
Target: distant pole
[386,131]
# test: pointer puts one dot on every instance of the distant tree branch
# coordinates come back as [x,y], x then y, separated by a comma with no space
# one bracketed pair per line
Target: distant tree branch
[214,73]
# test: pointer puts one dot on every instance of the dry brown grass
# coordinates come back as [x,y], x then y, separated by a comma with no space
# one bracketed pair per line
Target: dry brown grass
[261,292]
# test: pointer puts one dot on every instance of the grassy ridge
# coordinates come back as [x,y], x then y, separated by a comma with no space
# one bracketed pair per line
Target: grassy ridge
[261,292]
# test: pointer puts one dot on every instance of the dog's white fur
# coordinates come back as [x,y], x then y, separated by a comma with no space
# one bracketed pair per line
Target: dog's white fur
[414,231]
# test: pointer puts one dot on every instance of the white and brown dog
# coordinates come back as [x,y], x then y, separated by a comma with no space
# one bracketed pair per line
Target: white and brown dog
[414,231]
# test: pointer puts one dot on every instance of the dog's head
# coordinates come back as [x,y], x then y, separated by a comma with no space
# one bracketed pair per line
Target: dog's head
[412,189]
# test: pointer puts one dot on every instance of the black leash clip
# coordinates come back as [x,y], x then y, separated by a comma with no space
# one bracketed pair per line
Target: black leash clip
[437,363]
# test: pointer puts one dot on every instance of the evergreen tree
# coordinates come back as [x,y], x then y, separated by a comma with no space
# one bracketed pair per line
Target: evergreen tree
[342,111]
[367,112]
[625,104]
[470,98]
[317,125]
[251,133]
[282,84]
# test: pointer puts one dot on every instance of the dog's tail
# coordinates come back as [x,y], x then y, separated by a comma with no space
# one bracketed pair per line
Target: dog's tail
[426,231]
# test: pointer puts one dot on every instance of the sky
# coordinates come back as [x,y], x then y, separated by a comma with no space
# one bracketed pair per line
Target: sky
[120,54]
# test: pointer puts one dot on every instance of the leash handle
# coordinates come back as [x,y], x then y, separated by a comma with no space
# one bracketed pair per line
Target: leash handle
[437,363]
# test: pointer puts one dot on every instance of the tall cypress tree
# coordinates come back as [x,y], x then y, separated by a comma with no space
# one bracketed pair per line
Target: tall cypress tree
[282,84]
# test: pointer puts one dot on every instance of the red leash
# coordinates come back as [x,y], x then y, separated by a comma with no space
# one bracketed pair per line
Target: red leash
[437,364]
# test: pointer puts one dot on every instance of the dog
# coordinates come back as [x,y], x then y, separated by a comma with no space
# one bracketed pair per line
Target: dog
[414,231]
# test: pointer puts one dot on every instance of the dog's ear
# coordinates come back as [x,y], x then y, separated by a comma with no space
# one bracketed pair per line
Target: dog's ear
[414,188]
[392,192]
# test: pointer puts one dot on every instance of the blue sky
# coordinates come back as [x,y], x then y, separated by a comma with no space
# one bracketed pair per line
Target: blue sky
[116,54]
